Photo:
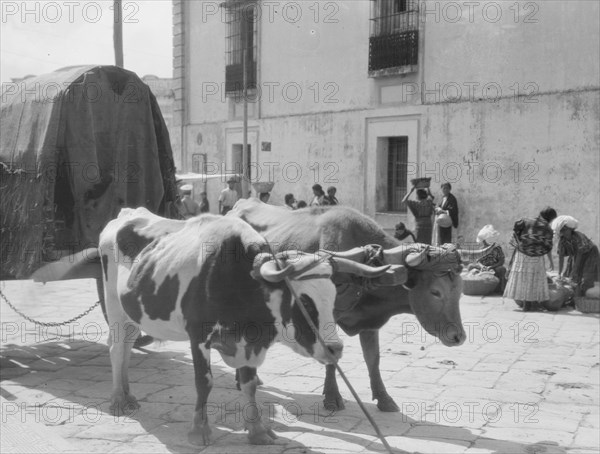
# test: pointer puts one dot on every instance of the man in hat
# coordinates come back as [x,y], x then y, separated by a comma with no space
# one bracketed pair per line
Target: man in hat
[189,207]
[228,197]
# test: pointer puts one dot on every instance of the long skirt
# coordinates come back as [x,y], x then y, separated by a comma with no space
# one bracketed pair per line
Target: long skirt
[527,279]
[444,235]
[424,230]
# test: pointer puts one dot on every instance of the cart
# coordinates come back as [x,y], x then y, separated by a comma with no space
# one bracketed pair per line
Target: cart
[76,146]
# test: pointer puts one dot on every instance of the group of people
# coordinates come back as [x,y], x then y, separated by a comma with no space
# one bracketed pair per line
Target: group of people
[425,210]
[527,283]
[188,206]
[524,279]
[229,196]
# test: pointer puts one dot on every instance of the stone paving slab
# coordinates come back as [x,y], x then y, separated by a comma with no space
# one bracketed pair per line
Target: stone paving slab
[522,383]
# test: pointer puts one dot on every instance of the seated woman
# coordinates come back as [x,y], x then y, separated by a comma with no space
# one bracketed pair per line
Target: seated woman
[582,265]
[494,260]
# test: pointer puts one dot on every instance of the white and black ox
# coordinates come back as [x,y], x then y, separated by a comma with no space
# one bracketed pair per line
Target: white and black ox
[208,280]
[430,288]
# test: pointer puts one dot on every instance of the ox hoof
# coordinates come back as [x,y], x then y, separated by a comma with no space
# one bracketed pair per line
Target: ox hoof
[334,403]
[261,435]
[124,405]
[200,436]
[387,404]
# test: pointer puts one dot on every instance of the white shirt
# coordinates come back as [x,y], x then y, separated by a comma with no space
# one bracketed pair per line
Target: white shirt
[228,197]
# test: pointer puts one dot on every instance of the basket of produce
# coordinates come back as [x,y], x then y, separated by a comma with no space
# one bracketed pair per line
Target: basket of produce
[421,183]
[560,294]
[263,186]
[479,283]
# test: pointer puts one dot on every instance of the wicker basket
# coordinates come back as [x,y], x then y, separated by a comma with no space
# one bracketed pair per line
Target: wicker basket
[587,305]
[479,284]
[263,186]
[421,183]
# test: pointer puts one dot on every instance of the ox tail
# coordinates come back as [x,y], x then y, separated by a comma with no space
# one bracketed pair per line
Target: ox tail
[81,265]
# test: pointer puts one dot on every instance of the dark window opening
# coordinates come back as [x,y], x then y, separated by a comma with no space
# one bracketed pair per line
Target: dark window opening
[397,173]
[241,20]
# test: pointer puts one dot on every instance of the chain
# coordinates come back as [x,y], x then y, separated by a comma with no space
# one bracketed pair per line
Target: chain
[83,314]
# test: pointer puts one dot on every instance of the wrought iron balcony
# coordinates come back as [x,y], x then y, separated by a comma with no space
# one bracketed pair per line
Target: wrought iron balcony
[394,51]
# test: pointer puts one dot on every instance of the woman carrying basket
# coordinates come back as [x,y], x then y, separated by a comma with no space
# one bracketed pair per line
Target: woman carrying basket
[422,209]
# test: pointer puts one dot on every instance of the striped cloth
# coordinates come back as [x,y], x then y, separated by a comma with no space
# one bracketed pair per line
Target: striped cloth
[527,279]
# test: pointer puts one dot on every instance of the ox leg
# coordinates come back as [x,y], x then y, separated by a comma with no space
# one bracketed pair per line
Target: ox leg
[200,433]
[258,433]
[333,399]
[259,382]
[369,341]
[122,335]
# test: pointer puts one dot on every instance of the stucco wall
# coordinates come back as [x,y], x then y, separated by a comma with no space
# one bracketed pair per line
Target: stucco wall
[507,159]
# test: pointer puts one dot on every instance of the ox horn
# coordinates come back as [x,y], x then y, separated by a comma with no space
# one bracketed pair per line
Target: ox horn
[356,254]
[416,258]
[469,255]
[350,266]
[271,272]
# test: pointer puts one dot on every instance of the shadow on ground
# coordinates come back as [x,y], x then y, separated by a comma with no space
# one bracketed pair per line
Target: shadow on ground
[77,376]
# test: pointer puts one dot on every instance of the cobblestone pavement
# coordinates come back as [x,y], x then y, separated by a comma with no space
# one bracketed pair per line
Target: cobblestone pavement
[524,382]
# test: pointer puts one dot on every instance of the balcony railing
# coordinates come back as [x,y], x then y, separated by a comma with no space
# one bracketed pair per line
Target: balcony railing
[391,51]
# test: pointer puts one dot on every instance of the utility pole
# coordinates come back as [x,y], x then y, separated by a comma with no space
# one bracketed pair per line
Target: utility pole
[118,32]
[245,167]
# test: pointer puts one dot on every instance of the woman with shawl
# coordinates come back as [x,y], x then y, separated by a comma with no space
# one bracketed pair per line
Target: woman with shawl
[527,283]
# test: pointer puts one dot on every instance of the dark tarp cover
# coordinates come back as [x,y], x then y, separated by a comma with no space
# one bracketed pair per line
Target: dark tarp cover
[76,146]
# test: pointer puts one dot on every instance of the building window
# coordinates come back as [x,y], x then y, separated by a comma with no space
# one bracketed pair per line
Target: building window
[241,20]
[397,173]
[394,40]
[199,163]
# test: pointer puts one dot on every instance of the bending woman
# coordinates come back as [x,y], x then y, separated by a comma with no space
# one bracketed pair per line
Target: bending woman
[582,265]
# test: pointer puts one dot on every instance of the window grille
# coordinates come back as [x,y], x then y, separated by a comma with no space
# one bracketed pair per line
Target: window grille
[394,40]
[241,20]
[397,173]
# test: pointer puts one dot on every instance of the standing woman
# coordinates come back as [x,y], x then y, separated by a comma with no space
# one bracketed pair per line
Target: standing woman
[583,254]
[449,205]
[422,209]
[527,283]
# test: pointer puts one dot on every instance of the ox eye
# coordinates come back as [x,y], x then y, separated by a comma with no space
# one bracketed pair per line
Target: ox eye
[436,293]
